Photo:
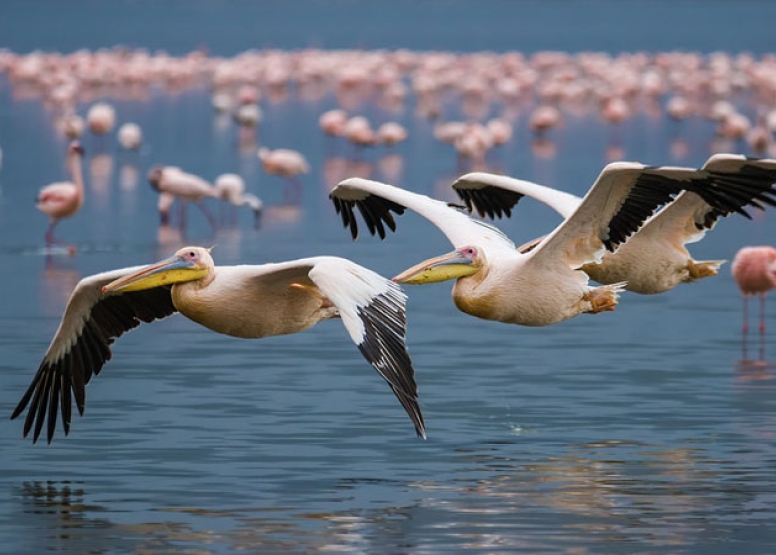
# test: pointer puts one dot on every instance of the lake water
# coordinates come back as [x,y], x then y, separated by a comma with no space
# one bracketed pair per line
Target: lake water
[645,430]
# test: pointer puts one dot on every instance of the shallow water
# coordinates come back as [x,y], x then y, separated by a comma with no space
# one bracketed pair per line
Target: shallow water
[645,430]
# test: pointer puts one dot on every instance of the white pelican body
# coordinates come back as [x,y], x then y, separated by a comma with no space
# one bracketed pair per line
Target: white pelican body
[494,280]
[64,198]
[655,259]
[544,284]
[241,301]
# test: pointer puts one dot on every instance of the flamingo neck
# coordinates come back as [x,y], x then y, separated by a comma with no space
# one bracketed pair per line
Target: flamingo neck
[76,172]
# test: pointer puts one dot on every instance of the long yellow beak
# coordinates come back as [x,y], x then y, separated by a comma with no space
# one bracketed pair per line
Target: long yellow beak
[442,268]
[165,272]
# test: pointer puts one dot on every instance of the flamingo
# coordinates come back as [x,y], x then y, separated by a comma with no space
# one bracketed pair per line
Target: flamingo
[101,118]
[243,301]
[286,163]
[542,285]
[182,185]
[231,188]
[64,198]
[390,133]
[754,271]
[130,136]
[655,259]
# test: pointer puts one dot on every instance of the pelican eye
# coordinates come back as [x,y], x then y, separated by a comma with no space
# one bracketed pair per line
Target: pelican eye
[469,252]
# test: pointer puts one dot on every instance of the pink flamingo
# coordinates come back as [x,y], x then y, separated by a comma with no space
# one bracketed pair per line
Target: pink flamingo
[544,118]
[285,163]
[391,133]
[101,118]
[333,122]
[172,182]
[64,198]
[231,188]
[130,136]
[754,270]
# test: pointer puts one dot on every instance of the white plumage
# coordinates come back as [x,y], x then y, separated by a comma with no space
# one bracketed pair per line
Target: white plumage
[243,301]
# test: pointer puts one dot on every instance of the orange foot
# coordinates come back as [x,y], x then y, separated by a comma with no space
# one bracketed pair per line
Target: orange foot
[601,300]
[707,268]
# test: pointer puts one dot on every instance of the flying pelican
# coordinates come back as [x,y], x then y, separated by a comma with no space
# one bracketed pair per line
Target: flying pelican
[655,259]
[241,301]
[64,198]
[184,186]
[544,285]
[230,187]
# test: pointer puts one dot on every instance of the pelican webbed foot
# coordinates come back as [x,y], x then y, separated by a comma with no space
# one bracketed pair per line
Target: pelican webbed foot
[703,269]
[604,298]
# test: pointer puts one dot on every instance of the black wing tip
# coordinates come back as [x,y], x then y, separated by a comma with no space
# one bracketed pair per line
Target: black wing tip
[375,210]
[383,345]
[493,202]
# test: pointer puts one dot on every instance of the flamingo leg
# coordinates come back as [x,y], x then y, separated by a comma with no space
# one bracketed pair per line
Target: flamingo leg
[50,232]
[744,331]
[292,193]
[762,313]
[208,214]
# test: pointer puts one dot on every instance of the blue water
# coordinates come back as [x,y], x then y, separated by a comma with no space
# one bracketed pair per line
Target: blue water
[645,430]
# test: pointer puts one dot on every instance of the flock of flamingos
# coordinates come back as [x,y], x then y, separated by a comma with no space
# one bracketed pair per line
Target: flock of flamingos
[628,232]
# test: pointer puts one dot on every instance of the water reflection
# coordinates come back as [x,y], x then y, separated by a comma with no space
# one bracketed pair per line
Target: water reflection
[615,491]
[60,520]
[59,277]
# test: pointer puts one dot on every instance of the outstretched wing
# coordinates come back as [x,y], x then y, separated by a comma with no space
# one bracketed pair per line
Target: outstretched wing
[371,307]
[626,194]
[81,346]
[376,201]
[496,195]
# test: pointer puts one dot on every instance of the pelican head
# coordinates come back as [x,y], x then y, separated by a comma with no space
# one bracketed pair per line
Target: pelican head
[457,264]
[155,176]
[188,264]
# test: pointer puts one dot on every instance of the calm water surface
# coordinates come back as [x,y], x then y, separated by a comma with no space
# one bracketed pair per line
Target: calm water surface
[646,430]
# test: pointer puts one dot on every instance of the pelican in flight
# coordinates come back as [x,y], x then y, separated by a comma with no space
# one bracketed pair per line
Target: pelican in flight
[655,259]
[242,301]
[544,285]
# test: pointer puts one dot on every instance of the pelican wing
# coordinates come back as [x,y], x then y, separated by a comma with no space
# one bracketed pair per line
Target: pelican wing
[81,346]
[741,181]
[685,220]
[626,194]
[496,195]
[372,309]
[375,201]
